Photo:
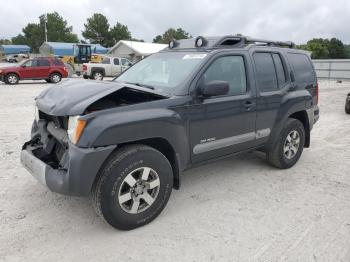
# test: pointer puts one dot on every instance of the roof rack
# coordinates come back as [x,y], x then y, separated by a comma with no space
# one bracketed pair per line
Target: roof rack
[225,41]
[250,40]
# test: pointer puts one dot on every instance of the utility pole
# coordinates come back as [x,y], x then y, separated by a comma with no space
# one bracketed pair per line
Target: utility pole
[45,21]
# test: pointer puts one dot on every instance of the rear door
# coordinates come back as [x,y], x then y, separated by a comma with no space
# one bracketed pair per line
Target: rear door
[43,68]
[273,84]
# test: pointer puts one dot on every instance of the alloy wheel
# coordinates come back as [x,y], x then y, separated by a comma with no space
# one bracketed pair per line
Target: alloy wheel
[139,190]
[291,144]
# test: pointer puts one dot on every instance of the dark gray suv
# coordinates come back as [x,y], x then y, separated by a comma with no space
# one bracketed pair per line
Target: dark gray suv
[126,142]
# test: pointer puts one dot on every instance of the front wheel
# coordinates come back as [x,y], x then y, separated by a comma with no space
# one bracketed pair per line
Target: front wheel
[134,187]
[289,146]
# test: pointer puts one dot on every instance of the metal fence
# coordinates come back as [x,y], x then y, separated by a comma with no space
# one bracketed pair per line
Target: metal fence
[334,69]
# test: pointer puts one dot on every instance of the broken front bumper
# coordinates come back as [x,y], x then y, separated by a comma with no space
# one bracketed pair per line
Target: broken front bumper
[76,171]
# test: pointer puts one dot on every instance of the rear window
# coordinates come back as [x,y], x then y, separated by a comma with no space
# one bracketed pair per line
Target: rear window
[303,70]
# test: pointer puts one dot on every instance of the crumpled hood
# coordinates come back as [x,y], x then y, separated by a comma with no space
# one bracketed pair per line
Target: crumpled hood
[73,96]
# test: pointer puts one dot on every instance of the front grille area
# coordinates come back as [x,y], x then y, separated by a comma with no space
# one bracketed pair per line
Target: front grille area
[48,148]
[60,121]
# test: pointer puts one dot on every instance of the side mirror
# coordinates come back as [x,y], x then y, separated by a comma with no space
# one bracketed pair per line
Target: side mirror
[129,64]
[23,66]
[215,88]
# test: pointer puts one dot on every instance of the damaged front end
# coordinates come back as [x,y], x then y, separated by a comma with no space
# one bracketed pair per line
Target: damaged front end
[54,155]
[56,162]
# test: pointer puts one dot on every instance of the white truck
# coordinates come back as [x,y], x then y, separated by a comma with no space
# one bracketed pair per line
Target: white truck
[109,66]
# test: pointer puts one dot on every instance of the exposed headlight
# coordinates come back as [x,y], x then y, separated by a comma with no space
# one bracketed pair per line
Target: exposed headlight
[75,128]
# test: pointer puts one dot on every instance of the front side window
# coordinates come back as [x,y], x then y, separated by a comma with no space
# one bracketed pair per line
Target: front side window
[125,62]
[163,71]
[116,61]
[31,63]
[230,69]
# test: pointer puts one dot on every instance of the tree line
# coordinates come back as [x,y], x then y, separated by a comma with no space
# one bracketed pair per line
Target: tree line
[97,30]
[326,48]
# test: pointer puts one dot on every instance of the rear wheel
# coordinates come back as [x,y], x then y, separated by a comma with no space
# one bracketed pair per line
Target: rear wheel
[11,79]
[134,187]
[55,78]
[289,146]
[97,75]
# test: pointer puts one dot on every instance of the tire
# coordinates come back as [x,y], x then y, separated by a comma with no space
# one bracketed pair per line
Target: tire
[284,152]
[48,80]
[85,76]
[121,176]
[55,78]
[11,79]
[347,104]
[97,75]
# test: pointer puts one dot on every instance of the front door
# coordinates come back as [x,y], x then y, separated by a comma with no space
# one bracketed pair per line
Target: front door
[223,125]
[30,69]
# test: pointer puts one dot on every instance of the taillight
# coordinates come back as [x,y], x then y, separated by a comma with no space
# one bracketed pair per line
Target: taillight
[317,93]
[84,68]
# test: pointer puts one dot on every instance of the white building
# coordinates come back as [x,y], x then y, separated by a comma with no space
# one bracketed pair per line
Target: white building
[133,50]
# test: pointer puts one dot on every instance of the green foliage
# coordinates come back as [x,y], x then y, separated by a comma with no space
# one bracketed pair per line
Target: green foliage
[57,31]
[326,48]
[97,31]
[119,32]
[5,42]
[171,34]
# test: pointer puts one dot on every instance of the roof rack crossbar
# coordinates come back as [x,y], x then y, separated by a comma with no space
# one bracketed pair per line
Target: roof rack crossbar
[250,40]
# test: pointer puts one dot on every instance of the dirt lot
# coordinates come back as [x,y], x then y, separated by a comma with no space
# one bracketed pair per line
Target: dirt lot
[238,209]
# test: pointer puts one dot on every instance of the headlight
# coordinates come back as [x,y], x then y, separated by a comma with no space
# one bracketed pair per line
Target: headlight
[0,71]
[75,128]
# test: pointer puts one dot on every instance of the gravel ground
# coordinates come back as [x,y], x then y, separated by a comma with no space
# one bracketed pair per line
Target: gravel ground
[237,209]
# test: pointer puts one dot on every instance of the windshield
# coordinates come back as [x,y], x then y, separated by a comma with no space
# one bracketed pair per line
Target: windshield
[163,71]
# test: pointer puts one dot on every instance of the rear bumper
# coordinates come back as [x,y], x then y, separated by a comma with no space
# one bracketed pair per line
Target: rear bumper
[75,173]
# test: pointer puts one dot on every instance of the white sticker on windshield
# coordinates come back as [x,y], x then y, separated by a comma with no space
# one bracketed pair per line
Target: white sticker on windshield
[194,56]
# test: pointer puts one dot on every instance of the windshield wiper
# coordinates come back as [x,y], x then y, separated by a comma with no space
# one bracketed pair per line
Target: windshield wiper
[141,85]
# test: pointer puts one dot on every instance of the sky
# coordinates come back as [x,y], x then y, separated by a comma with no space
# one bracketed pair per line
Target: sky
[297,20]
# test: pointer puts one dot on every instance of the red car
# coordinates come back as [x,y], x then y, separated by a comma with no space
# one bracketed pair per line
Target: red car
[48,68]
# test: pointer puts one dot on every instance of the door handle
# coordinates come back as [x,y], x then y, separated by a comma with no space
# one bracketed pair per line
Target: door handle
[248,105]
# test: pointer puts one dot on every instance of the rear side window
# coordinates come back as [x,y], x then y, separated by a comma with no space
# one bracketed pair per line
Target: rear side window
[266,74]
[58,62]
[281,74]
[303,70]
[43,62]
